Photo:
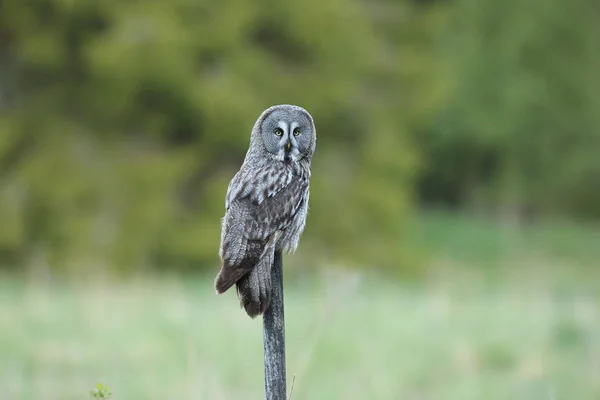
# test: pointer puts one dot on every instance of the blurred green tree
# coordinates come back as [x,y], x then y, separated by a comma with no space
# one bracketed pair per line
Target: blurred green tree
[520,131]
[122,123]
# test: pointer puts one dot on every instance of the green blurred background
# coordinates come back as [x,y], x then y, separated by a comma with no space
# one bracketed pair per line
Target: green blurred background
[452,245]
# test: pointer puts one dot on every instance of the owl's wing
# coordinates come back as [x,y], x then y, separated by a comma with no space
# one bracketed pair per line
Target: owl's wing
[257,210]
[257,184]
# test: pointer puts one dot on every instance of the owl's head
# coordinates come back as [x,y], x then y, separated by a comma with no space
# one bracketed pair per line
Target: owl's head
[286,132]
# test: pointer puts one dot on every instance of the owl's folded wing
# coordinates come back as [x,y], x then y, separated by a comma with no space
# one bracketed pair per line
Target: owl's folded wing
[255,213]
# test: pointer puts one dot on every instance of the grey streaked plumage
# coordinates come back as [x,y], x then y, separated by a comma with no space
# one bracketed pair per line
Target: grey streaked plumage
[266,203]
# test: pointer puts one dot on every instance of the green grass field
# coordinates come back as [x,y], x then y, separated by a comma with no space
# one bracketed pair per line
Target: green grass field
[530,332]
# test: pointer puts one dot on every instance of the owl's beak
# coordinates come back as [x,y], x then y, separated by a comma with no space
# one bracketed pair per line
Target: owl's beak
[288,146]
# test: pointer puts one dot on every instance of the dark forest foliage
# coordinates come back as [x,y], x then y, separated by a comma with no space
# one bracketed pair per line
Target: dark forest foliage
[122,122]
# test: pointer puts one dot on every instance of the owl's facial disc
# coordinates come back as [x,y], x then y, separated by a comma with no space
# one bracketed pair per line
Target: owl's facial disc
[287,135]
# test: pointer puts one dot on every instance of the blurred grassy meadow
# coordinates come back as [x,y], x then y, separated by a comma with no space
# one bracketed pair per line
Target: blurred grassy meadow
[453,238]
[462,332]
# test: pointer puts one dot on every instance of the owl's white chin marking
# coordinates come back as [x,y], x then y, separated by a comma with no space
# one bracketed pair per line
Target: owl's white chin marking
[288,157]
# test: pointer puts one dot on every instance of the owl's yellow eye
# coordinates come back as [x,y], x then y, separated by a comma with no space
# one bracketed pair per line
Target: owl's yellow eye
[278,131]
[296,131]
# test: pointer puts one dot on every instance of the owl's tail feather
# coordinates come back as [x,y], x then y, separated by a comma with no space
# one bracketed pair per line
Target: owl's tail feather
[238,260]
[227,278]
[254,289]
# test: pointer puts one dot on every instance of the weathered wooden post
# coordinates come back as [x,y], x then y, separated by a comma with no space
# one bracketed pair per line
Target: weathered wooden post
[274,336]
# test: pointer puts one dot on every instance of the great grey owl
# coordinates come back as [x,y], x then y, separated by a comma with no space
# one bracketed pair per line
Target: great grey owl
[266,204]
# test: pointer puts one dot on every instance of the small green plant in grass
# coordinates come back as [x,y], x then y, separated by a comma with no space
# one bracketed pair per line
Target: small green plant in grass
[100,392]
